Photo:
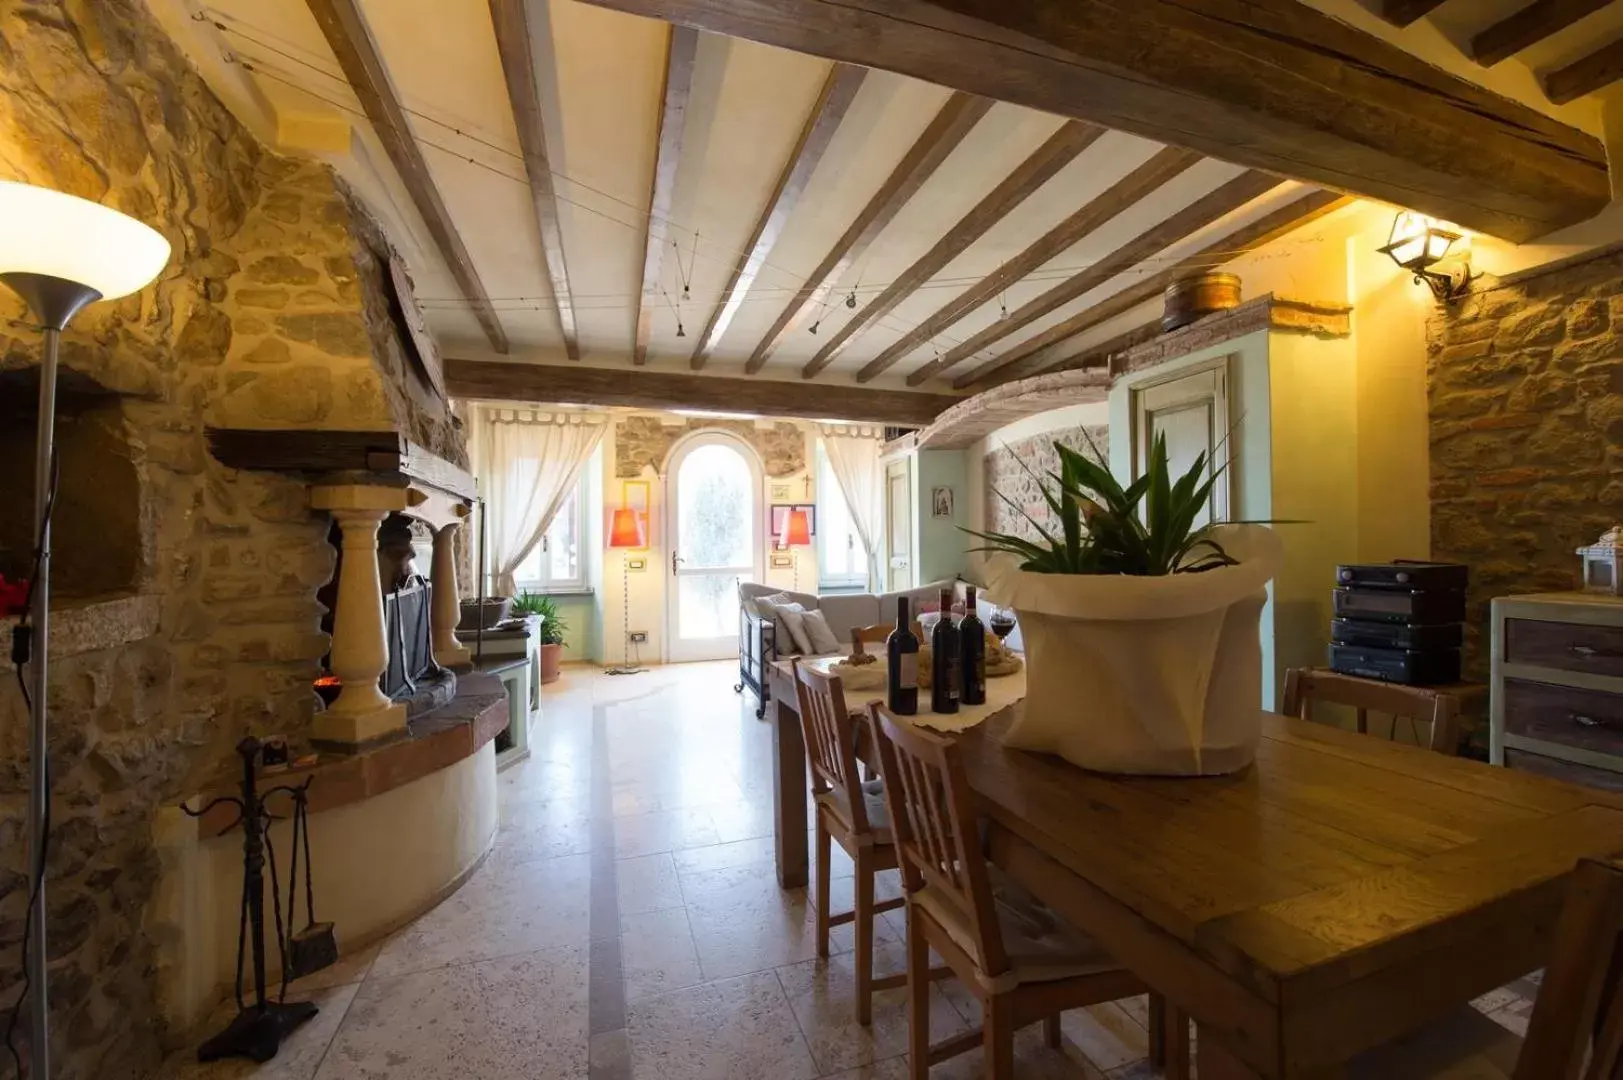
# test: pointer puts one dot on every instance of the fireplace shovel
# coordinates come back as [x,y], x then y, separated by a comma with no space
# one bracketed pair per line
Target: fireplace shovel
[315,947]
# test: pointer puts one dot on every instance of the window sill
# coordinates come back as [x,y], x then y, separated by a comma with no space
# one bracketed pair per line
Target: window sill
[563,591]
[841,588]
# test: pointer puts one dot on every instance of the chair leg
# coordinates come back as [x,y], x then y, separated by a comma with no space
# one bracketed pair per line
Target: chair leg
[1169,1039]
[918,999]
[864,925]
[1158,1030]
[824,856]
[1051,1032]
[997,1036]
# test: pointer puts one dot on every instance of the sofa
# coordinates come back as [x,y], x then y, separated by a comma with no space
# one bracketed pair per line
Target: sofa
[758,644]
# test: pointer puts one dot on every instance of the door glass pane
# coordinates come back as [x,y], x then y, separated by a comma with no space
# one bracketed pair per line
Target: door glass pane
[1188,433]
[707,605]
[714,511]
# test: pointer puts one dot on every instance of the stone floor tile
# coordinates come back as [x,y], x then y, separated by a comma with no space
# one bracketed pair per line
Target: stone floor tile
[299,1056]
[736,1029]
[657,954]
[663,830]
[648,883]
[761,850]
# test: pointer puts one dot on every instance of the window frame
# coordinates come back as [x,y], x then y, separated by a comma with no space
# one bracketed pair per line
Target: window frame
[826,581]
[547,584]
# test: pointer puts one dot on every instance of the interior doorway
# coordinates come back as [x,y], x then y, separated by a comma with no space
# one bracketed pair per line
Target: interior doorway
[713,534]
[898,526]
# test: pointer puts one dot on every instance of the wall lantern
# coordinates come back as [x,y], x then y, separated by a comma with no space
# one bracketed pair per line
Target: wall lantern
[1421,245]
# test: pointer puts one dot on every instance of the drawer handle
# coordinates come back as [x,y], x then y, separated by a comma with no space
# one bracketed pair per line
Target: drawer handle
[1589,652]
[1586,721]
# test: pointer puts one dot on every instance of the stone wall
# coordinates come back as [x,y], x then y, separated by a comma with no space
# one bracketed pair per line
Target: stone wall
[644,442]
[267,316]
[1525,382]
[1013,470]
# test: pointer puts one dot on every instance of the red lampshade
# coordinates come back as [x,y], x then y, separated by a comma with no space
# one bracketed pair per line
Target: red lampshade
[626,530]
[797,530]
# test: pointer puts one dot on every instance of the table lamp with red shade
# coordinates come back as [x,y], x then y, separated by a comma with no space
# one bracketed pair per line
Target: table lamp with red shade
[796,534]
[626,531]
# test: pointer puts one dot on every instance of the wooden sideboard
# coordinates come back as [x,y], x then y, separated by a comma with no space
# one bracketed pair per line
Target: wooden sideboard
[1557,699]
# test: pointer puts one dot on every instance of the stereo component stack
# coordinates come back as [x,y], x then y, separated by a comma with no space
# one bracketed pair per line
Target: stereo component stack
[1399,622]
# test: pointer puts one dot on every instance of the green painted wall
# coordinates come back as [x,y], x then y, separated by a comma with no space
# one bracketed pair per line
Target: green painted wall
[941,546]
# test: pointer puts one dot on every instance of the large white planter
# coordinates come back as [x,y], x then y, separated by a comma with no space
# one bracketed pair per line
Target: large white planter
[1150,675]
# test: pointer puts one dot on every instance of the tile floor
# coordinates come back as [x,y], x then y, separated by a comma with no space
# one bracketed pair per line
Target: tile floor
[628,924]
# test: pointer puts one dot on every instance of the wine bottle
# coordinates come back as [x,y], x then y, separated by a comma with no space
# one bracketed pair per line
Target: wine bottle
[902,664]
[944,678]
[972,652]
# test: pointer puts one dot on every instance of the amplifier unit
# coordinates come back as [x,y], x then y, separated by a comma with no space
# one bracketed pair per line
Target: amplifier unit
[1399,605]
[1405,574]
[1412,667]
[1388,635]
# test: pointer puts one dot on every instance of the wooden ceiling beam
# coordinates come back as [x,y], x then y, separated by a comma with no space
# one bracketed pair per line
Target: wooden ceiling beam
[839,90]
[1163,166]
[1274,85]
[1102,354]
[1058,151]
[1404,12]
[1204,211]
[1529,26]
[1045,350]
[1586,75]
[510,381]
[955,120]
[680,55]
[515,41]
[346,32]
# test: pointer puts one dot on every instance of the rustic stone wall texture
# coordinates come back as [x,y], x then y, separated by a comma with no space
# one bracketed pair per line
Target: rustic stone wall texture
[644,442]
[1525,385]
[1013,470]
[267,316]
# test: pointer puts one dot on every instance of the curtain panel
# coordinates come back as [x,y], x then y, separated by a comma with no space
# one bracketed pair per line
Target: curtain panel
[853,455]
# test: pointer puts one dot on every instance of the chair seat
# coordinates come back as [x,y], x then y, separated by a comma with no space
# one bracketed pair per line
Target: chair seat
[1041,946]
[1464,1045]
[873,801]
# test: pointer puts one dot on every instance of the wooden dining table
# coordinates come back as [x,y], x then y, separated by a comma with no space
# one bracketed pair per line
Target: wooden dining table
[1336,893]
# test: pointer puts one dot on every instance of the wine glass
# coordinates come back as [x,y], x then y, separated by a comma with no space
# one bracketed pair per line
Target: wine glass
[1001,622]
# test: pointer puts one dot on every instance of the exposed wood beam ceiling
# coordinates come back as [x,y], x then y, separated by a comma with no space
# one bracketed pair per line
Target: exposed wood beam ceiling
[1060,150]
[1101,355]
[955,120]
[1269,84]
[839,90]
[1162,167]
[1404,12]
[1529,26]
[1049,347]
[514,40]
[1585,76]
[1204,211]
[346,32]
[506,381]
[680,55]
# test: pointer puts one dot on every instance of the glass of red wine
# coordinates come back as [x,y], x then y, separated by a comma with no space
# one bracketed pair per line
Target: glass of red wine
[1001,622]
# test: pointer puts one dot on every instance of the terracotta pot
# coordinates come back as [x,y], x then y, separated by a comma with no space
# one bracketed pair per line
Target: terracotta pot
[552,658]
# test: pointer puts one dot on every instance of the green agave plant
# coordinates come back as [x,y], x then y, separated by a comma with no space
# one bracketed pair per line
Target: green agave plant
[1145,529]
[553,625]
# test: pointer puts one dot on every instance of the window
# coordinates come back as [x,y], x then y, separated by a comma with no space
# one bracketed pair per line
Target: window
[842,562]
[557,563]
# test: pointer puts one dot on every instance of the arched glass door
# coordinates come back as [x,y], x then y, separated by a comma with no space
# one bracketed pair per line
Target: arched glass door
[714,525]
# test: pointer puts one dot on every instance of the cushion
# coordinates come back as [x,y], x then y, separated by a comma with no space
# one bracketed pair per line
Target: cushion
[793,616]
[819,637]
[873,804]
[845,611]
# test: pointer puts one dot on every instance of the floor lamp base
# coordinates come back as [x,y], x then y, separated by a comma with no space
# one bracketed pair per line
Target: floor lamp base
[623,670]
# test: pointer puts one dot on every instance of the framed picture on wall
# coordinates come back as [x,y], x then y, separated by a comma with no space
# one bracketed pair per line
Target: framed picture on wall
[780,492]
[941,502]
[634,496]
[778,525]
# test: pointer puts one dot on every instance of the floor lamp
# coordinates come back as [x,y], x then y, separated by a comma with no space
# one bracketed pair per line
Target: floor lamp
[626,532]
[60,254]
[796,534]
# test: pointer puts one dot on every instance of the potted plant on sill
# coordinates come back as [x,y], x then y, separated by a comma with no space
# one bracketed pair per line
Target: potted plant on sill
[553,629]
[1141,627]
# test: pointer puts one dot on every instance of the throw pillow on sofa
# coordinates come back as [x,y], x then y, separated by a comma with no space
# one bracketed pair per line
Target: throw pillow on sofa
[779,605]
[818,635]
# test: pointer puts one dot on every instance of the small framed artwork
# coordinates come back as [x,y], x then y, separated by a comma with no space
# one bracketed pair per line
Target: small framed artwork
[941,502]
[634,496]
[782,562]
[779,523]
[780,493]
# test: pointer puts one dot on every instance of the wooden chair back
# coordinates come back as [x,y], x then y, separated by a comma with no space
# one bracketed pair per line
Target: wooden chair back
[1577,1028]
[831,742]
[933,819]
[1306,686]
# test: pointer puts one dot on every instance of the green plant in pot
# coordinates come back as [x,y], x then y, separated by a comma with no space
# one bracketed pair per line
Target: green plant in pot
[553,628]
[1140,622]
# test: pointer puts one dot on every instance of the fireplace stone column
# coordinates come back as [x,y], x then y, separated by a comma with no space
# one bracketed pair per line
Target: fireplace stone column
[447,611]
[360,651]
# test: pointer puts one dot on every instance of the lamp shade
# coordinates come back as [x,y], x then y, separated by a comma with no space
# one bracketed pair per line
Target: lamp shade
[797,529]
[626,531]
[62,236]
[1417,240]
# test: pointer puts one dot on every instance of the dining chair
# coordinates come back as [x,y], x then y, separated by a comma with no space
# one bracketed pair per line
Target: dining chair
[1306,687]
[848,811]
[1576,1032]
[1020,960]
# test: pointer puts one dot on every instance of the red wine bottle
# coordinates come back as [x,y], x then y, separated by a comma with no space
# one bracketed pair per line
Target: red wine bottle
[944,679]
[902,664]
[972,652]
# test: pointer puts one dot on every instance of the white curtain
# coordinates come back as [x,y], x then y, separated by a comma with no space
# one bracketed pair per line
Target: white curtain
[853,455]
[530,464]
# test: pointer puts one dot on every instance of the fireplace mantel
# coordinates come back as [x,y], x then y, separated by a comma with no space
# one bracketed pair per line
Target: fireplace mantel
[385,455]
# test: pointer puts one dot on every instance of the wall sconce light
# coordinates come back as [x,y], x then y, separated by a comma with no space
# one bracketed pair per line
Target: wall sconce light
[1420,244]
